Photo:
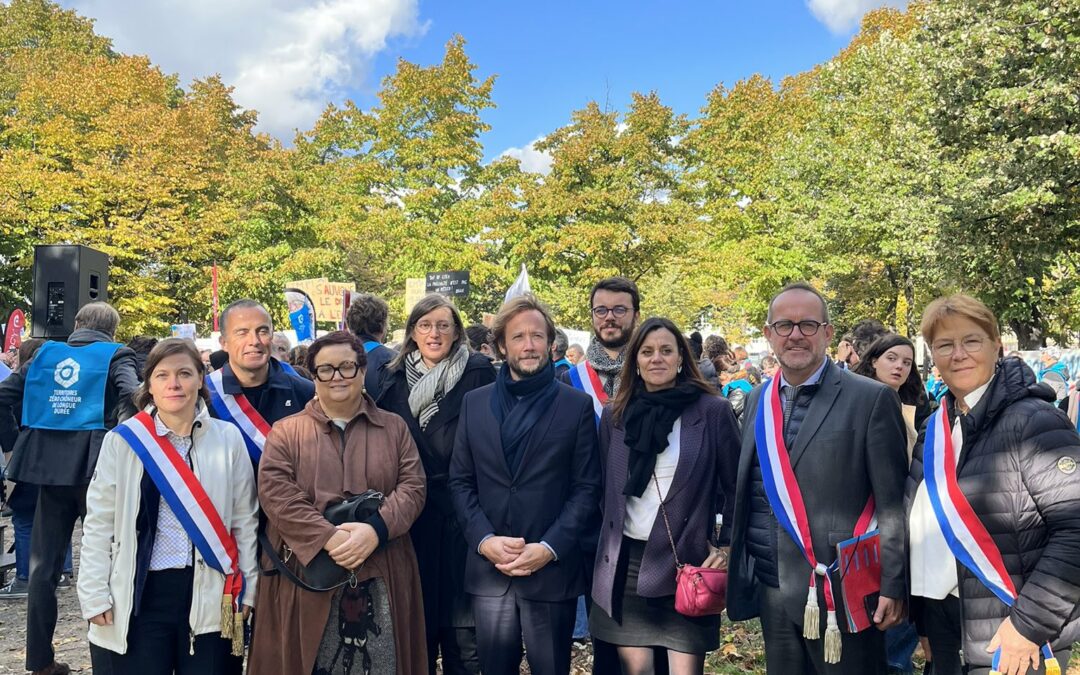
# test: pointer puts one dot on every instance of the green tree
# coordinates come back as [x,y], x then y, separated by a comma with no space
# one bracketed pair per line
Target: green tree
[862,176]
[393,187]
[1004,78]
[734,159]
[609,206]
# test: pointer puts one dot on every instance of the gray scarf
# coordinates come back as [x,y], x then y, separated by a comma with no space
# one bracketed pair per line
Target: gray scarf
[607,368]
[427,386]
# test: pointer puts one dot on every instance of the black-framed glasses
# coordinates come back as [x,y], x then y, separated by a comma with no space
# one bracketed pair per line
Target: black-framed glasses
[972,344]
[808,327]
[347,370]
[425,327]
[618,310]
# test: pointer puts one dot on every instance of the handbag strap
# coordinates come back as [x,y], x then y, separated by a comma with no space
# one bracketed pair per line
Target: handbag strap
[281,567]
[667,525]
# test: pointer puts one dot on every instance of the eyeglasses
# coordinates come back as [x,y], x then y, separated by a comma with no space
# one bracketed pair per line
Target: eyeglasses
[972,344]
[808,327]
[425,327]
[347,370]
[618,310]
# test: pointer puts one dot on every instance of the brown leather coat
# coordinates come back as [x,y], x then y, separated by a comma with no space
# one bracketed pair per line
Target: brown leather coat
[305,467]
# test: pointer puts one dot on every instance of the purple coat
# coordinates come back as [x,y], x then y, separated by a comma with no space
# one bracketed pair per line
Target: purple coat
[703,485]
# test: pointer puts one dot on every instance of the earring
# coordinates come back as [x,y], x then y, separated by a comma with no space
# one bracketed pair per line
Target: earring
[679,369]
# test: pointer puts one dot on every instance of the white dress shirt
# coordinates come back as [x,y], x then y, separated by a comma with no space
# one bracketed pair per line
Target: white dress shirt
[933,566]
[172,546]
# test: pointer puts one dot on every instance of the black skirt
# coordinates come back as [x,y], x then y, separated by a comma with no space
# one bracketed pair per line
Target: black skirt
[650,622]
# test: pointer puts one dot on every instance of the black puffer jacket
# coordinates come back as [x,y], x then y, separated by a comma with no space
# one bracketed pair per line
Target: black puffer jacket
[1018,469]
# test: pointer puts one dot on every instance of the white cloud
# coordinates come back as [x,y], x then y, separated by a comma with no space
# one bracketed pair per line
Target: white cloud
[840,16]
[286,58]
[531,159]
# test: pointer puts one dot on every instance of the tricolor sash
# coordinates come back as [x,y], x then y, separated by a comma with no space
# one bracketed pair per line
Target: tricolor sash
[964,532]
[785,498]
[185,496]
[370,346]
[584,377]
[239,411]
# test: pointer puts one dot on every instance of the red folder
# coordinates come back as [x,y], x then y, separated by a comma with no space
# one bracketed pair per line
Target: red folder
[858,561]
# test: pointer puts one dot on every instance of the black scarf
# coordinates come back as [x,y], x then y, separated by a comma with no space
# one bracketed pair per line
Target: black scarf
[518,406]
[648,420]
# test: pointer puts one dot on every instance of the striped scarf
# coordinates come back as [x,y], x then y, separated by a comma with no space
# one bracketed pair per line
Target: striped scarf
[427,386]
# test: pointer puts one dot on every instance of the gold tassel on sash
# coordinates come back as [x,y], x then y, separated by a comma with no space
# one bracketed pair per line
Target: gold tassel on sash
[833,645]
[811,614]
[226,616]
[237,634]
[1052,666]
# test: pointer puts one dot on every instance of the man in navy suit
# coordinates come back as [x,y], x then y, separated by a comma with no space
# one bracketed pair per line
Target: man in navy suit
[525,480]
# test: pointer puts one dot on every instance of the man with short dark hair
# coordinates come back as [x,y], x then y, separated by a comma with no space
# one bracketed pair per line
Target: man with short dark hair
[863,335]
[824,454]
[614,305]
[70,395]
[366,319]
[575,354]
[253,390]
[558,352]
[525,481]
[480,340]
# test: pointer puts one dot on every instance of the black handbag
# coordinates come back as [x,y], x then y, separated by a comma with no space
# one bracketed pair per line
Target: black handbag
[323,574]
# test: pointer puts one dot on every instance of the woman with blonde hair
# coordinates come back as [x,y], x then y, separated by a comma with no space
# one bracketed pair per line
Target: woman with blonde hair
[993,503]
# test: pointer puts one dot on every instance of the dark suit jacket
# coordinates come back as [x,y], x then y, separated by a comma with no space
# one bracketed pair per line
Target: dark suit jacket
[851,444]
[285,394]
[553,497]
[703,485]
[376,359]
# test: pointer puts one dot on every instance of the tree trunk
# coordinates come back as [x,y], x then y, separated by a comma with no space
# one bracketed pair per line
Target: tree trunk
[909,296]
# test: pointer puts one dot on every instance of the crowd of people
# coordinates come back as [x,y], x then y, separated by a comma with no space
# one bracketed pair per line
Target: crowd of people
[454,502]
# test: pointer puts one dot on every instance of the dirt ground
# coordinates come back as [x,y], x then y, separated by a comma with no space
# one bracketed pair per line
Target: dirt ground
[70,637]
[741,646]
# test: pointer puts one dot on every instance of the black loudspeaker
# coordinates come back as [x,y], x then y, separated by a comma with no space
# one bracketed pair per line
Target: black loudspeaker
[65,279]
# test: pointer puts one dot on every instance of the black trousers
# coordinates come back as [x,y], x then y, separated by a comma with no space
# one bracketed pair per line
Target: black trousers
[787,652]
[58,506]
[458,649]
[502,623]
[941,621]
[159,638]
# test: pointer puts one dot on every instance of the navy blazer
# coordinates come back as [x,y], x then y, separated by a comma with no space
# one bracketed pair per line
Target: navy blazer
[703,485]
[285,394]
[553,497]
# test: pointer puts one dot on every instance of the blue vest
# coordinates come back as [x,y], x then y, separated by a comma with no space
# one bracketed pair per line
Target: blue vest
[65,386]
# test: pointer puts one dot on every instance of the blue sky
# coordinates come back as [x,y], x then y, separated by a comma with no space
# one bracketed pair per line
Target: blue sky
[288,58]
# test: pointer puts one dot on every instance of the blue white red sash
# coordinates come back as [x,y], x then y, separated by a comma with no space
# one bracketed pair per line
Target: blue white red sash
[239,411]
[185,496]
[964,532]
[785,498]
[584,377]
[371,346]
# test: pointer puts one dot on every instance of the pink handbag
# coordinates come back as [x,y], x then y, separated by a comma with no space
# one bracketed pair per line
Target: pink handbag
[699,591]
